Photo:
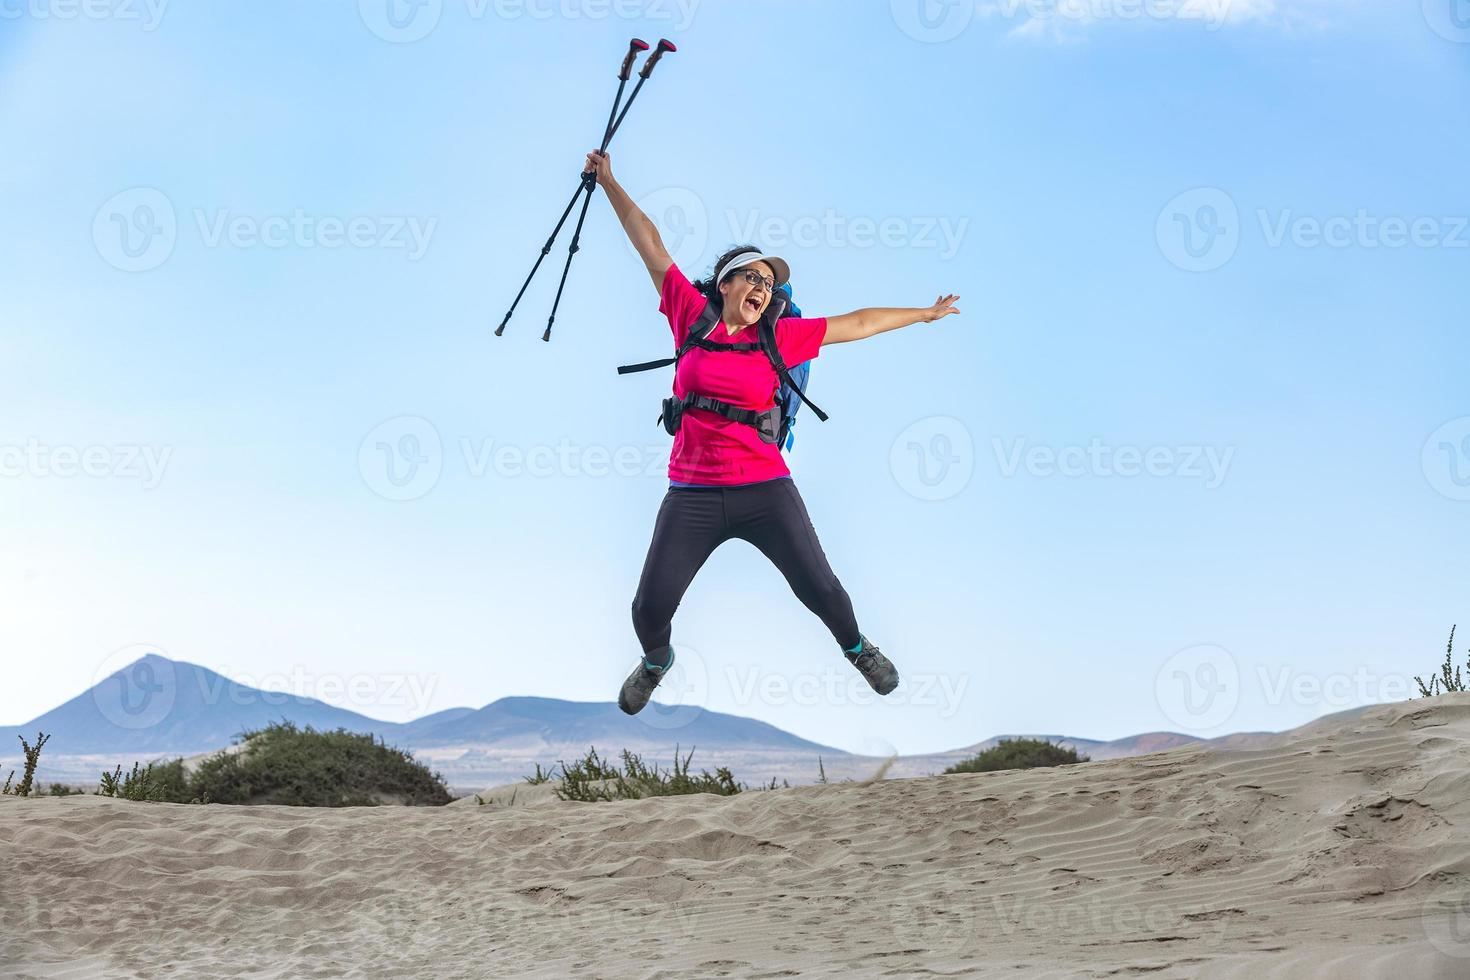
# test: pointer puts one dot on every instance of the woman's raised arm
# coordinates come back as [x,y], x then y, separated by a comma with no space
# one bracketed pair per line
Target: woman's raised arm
[641,231]
[861,324]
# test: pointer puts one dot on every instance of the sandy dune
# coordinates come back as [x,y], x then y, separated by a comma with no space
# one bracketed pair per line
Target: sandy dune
[1343,851]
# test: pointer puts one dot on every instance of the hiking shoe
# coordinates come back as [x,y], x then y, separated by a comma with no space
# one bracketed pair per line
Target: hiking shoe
[876,669]
[638,688]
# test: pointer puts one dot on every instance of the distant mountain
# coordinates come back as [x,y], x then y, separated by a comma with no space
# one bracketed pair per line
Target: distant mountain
[524,722]
[156,708]
[156,705]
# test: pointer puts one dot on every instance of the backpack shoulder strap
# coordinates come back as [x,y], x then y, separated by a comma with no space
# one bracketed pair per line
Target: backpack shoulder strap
[768,340]
[698,331]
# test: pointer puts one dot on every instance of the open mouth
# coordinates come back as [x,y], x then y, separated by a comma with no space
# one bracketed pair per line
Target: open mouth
[752,304]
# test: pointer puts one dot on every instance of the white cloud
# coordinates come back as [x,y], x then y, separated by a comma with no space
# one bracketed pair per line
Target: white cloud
[1070,20]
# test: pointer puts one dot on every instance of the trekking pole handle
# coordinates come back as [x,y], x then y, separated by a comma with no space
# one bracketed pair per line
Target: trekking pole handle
[664,44]
[634,47]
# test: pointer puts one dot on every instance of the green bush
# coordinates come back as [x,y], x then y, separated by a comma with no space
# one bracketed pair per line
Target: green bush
[591,779]
[1019,753]
[283,765]
[158,782]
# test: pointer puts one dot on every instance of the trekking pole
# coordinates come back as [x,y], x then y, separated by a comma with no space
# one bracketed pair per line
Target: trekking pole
[635,45]
[590,177]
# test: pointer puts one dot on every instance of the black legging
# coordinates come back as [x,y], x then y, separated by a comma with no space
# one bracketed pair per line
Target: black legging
[692,522]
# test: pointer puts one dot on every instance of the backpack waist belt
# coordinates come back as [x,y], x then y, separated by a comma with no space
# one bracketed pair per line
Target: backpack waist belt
[765,422]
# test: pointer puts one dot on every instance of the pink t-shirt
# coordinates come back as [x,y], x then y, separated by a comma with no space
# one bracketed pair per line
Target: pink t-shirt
[710,448]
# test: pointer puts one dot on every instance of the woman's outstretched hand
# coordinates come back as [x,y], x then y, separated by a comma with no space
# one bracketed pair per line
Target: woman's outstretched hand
[601,165]
[942,307]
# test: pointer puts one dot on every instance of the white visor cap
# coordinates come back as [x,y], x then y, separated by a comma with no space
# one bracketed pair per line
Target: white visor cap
[778,265]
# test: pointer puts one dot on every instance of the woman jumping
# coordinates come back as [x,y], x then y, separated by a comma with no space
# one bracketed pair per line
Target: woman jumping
[726,475]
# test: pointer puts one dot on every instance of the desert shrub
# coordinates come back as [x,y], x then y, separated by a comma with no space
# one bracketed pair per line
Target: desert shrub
[541,775]
[1019,753]
[1449,679]
[33,757]
[282,764]
[592,779]
[158,782]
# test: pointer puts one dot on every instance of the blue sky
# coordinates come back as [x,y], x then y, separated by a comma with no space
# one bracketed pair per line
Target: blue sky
[1196,455]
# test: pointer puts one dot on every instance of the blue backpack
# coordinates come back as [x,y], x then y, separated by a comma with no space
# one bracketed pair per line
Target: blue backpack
[775,424]
[795,379]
